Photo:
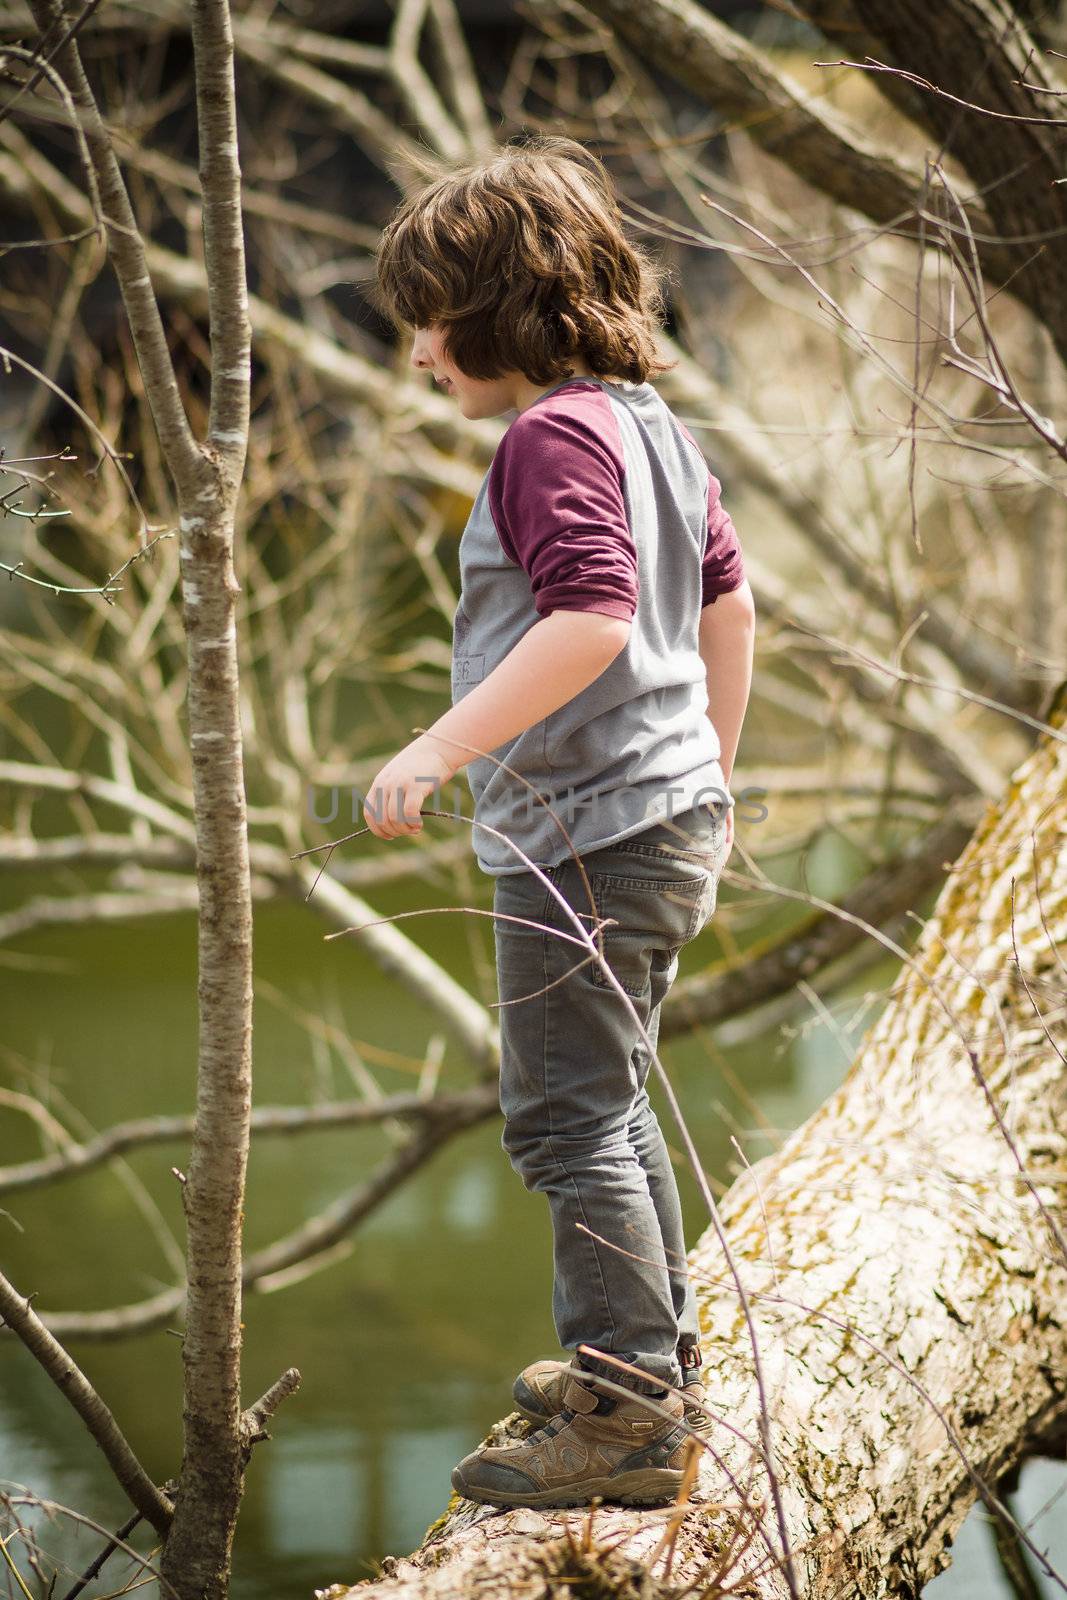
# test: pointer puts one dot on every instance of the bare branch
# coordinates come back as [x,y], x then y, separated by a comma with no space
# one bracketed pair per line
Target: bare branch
[741,82]
[73,1159]
[254,1420]
[72,1383]
[127,252]
[306,1242]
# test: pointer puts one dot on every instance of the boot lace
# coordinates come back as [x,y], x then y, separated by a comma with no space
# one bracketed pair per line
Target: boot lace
[550,1428]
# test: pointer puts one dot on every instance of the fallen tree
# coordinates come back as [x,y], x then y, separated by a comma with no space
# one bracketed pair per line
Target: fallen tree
[904,1262]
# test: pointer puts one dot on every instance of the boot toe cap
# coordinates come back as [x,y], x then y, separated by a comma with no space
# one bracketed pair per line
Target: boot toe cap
[528,1397]
[479,1474]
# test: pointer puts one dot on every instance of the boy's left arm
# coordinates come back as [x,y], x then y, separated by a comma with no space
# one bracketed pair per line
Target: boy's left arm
[555,660]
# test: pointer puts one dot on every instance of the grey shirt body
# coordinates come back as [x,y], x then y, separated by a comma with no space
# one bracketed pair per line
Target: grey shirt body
[602,495]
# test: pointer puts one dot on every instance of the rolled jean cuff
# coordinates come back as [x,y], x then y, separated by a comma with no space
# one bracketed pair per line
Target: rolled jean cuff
[671,1378]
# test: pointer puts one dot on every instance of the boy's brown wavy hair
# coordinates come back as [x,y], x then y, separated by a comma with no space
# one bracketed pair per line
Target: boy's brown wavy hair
[521,258]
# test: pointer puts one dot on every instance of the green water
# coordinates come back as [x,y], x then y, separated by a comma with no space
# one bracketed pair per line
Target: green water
[409,1344]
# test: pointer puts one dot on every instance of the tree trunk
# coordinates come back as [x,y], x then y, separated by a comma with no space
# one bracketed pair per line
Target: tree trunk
[196,1556]
[904,1257]
[207,476]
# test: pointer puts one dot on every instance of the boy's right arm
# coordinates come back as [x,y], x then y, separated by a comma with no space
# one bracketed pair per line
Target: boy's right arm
[727,641]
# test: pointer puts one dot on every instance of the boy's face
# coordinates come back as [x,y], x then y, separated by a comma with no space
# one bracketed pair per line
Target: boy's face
[476,397]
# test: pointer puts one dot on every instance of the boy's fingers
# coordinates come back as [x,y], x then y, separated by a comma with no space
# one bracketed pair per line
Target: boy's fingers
[390,809]
[410,806]
[372,814]
[391,812]
[376,814]
[399,817]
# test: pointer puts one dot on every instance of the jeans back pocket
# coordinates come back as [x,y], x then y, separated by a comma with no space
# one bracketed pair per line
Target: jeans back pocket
[653,915]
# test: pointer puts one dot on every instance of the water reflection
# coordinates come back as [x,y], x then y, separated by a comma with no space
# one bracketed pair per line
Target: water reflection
[315,1489]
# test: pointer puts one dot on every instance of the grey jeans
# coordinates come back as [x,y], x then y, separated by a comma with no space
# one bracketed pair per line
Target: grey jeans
[578,1122]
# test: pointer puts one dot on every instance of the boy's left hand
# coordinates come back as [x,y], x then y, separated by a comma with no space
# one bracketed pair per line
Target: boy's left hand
[394,799]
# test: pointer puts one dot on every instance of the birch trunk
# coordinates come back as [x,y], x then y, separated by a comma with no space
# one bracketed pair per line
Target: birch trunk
[905,1261]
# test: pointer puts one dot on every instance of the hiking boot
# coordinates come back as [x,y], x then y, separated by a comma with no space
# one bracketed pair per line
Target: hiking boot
[536,1392]
[614,1448]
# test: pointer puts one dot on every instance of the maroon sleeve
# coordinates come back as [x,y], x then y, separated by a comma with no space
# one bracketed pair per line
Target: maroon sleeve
[556,497]
[722,568]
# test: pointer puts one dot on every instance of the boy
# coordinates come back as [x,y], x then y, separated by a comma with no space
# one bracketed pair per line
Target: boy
[603,649]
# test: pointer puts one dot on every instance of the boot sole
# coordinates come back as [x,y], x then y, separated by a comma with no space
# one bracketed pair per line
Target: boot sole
[650,1486]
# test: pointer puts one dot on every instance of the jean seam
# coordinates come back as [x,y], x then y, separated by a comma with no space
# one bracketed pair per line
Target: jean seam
[662,852]
[702,918]
[622,880]
[545,993]
[545,936]
[605,1298]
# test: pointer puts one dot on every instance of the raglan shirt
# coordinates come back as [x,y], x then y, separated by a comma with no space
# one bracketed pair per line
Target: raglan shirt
[556,496]
[597,499]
